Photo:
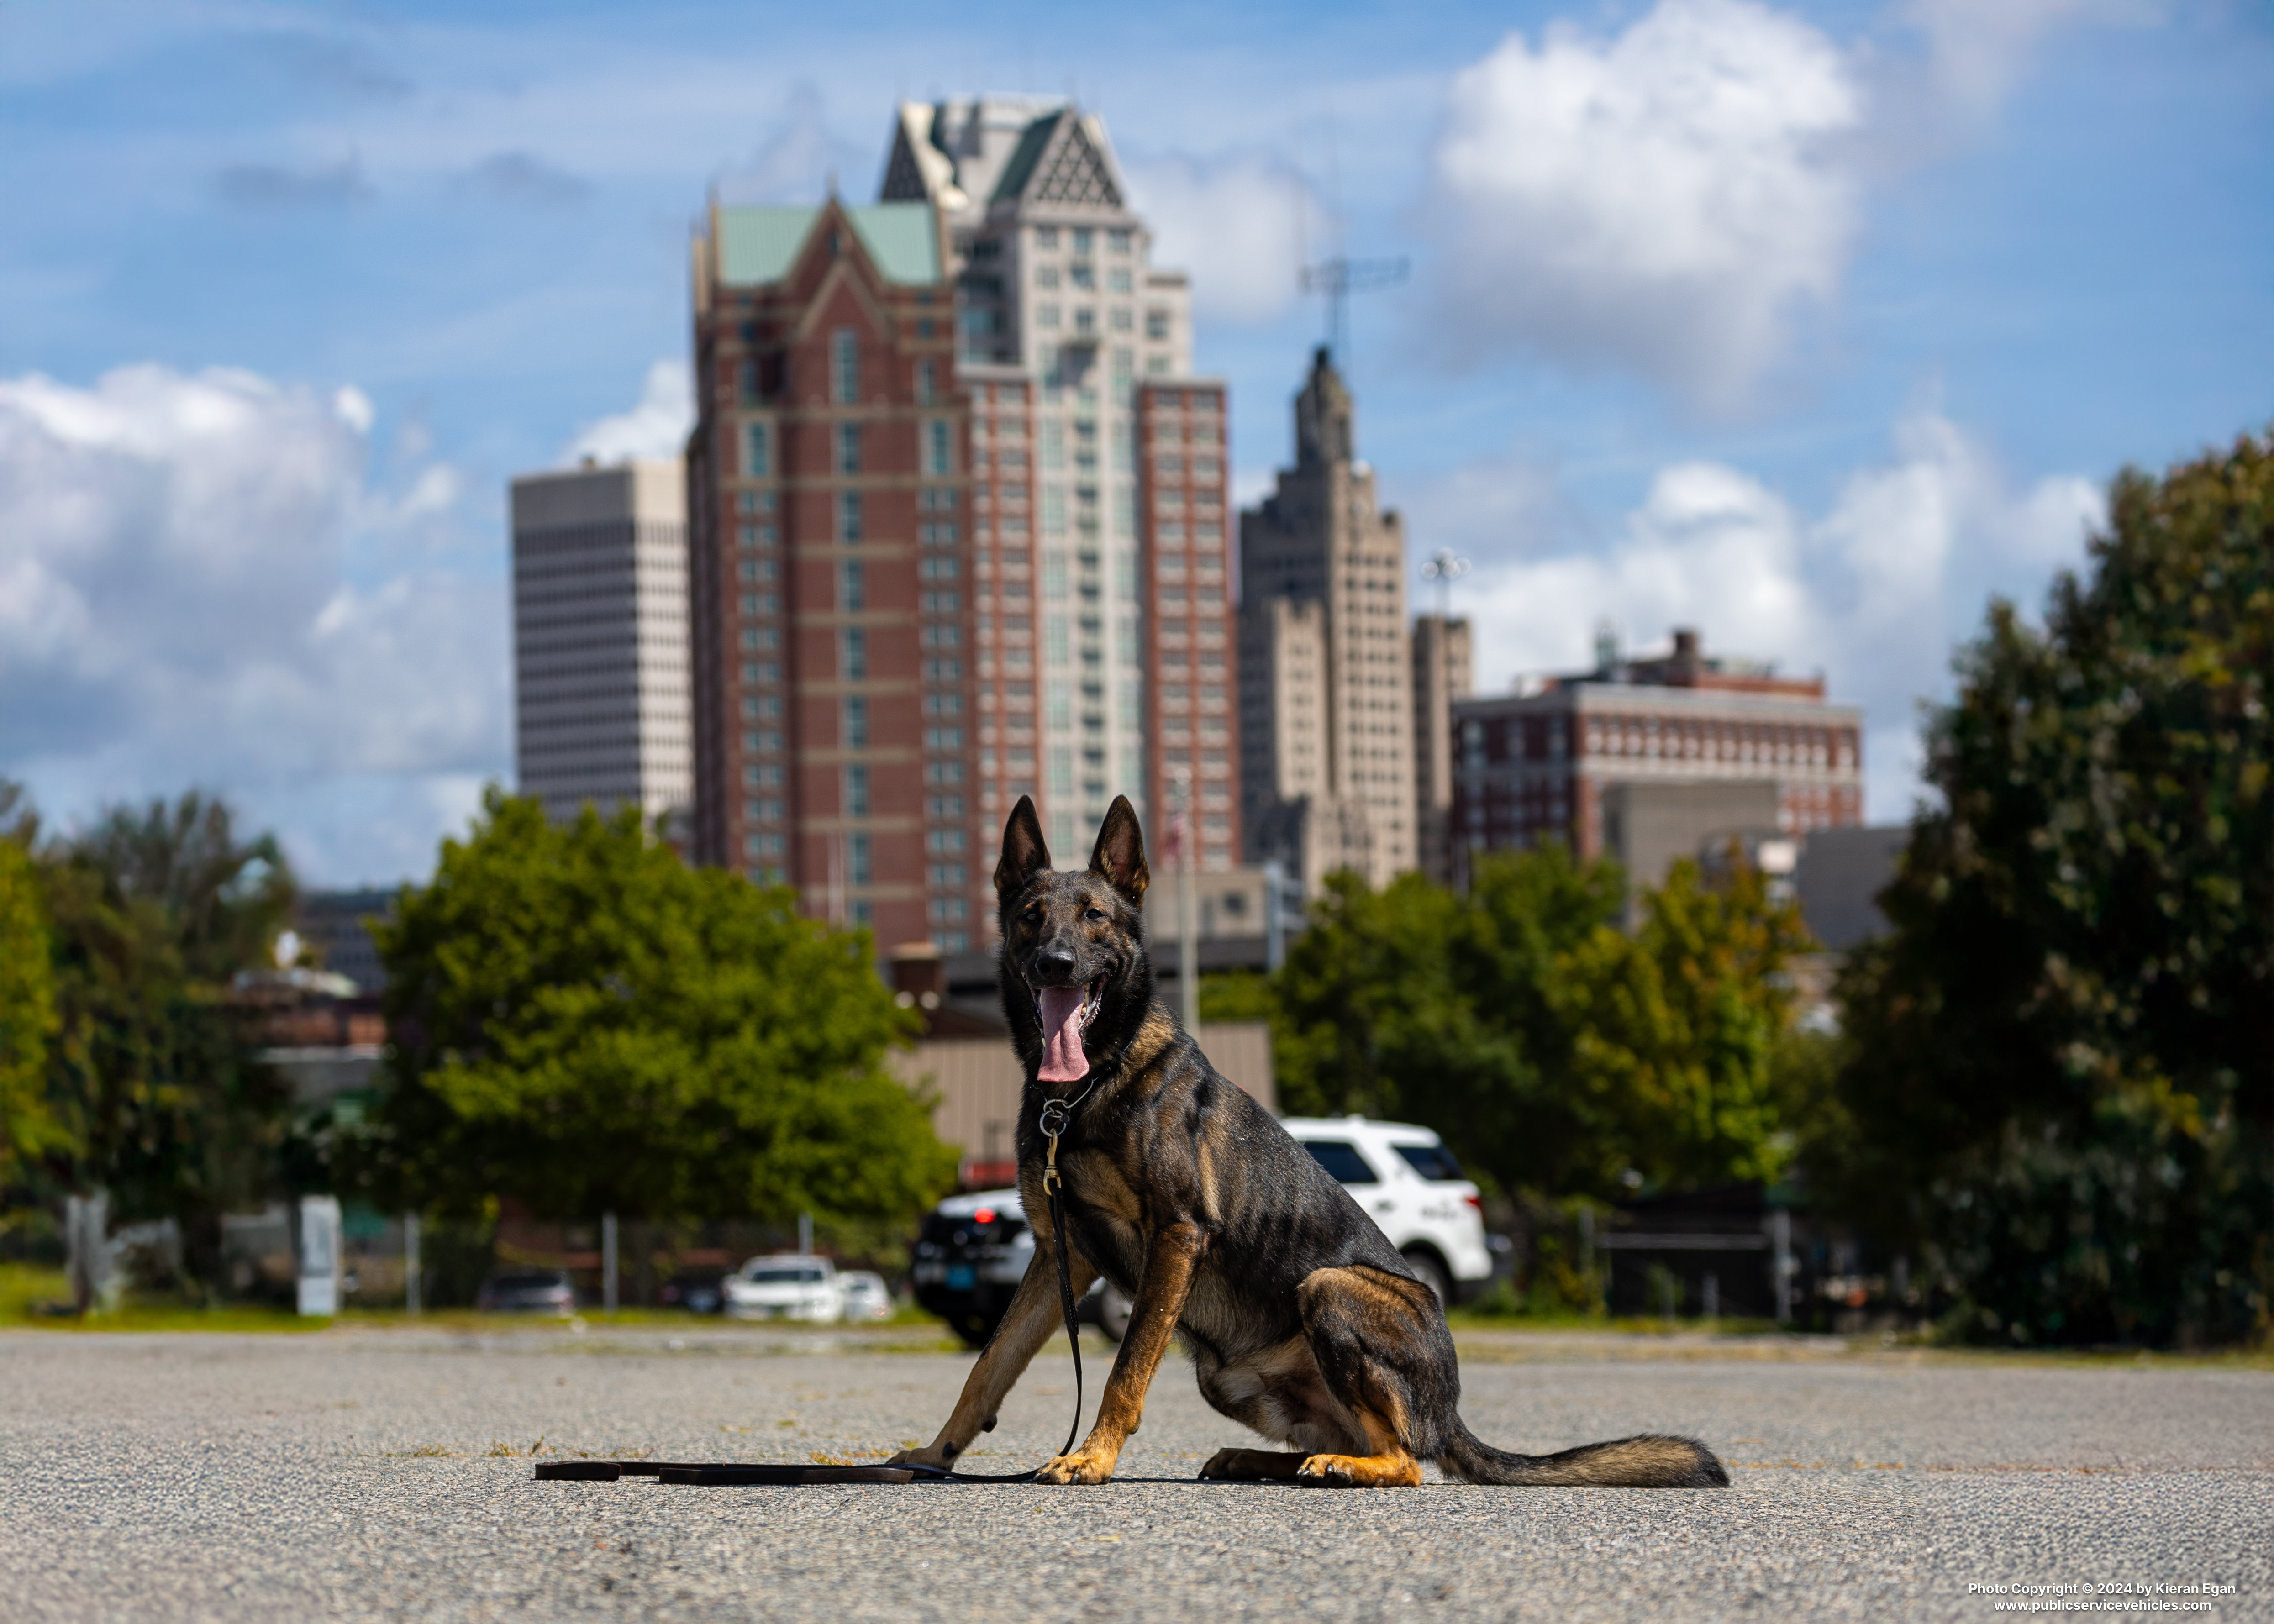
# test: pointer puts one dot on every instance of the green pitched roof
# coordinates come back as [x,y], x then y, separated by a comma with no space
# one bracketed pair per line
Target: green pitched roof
[758,244]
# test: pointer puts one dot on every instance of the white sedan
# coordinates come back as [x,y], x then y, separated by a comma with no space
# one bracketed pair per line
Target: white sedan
[788,1287]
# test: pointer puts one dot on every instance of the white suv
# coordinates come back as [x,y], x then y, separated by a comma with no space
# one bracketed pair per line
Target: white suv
[1408,1183]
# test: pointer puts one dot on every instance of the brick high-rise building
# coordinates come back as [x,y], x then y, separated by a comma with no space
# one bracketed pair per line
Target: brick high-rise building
[600,639]
[1325,668]
[958,525]
[833,621]
[1646,760]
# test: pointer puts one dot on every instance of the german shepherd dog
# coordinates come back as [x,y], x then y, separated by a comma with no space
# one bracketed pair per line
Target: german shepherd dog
[1304,1324]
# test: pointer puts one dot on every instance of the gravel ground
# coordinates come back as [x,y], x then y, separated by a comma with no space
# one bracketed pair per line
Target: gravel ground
[383,1474]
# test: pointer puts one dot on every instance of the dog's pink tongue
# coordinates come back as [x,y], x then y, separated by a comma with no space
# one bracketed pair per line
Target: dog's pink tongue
[1063,1061]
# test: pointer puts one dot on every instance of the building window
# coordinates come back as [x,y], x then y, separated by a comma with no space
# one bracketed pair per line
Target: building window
[763,845]
[757,452]
[1083,239]
[848,515]
[1053,444]
[1054,576]
[1156,366]
[853,594]
[856,791]
[844,366]
[1156,324]
[1056,640]
[942,738]
[939,460]
[1061,770]
[1046,236]
[853,664]
[926,382]
[857,723]
[1046,315]
[1054,510]
[848,448]
[945,842]
[857,867]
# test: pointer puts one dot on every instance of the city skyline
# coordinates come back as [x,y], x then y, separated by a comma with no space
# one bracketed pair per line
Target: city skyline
[279,328]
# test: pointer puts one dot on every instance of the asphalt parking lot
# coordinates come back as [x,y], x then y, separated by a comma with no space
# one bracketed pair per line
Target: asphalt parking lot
[386,1474]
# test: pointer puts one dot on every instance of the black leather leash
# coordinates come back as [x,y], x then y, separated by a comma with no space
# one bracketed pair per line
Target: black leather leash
[1056,1116]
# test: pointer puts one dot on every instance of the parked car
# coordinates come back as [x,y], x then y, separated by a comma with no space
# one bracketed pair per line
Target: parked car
[1411,1187]
[699,1291]
[786,1287]
[527,1291]
[866,1296]
[970,1257]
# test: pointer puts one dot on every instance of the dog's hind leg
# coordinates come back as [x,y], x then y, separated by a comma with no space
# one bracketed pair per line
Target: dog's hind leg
[1383,1351]
[1388,1464]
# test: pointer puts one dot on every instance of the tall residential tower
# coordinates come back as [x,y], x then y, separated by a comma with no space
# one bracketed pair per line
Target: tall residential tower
[959,521]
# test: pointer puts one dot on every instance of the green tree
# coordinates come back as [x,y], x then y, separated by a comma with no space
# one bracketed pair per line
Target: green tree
[155,1072]
[29,1129]
[580,1022]
[1552,1049]
[2059,1058]
[1675,1031]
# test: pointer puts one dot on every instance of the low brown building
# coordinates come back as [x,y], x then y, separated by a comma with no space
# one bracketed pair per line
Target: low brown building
[1646,760]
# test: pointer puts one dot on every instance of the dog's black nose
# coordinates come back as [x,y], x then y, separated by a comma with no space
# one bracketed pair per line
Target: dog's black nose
[1053,967]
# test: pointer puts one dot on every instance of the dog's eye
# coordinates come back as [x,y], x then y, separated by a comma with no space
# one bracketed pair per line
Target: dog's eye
[1095,913]
[1033,915]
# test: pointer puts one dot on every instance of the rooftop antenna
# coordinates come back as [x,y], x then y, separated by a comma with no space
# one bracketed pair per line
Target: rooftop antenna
[1444,567]
[1340,277]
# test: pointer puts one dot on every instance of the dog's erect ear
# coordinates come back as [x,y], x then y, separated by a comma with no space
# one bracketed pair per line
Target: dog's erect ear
[1119,859]
[1024,854]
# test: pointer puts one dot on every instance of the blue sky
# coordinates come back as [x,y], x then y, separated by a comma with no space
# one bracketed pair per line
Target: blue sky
[1810,325]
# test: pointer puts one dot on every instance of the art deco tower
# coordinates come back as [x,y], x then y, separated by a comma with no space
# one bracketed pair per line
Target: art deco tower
[1326,671]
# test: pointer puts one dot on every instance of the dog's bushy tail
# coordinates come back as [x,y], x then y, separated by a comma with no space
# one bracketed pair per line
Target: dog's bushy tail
[1646,1461]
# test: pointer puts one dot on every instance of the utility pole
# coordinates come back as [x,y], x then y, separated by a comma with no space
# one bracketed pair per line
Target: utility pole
[608,1262]
[1188,948]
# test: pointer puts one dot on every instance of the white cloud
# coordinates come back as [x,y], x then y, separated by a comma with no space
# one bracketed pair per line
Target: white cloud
[657,427]
[1975,51]
[1236,225]
[1666,200]
[198,585]
[1874,593]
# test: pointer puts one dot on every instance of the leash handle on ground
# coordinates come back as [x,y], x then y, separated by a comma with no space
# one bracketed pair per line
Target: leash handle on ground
[1055,1115]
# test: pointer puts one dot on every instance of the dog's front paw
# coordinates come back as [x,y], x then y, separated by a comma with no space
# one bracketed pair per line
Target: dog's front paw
[1084,1465]
[930,1454]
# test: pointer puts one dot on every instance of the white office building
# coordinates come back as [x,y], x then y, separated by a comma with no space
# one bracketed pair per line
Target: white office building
[600,638]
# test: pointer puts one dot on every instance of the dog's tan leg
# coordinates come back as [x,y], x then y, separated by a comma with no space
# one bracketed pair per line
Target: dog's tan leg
[1034,1317]
[1255,1465]
[1388,1465]
[1175,1253]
